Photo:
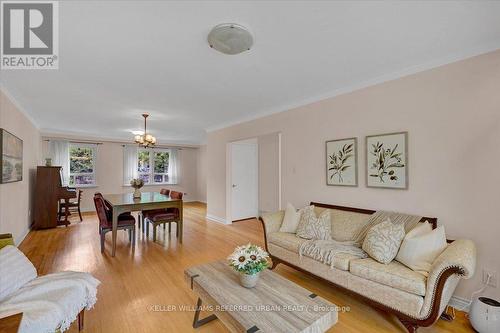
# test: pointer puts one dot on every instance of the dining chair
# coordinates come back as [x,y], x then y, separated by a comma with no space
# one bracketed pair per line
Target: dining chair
[104,214]
[165,216]
[72,206]
[164,191]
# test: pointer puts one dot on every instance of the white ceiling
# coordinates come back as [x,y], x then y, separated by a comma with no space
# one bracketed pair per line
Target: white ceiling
[121,58]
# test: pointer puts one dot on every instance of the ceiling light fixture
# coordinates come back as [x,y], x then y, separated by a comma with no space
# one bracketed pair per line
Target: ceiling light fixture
[145,140]
[230,38]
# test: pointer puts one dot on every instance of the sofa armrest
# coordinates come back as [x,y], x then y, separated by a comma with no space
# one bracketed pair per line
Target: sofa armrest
[461,254]
[272,221]
[457,261]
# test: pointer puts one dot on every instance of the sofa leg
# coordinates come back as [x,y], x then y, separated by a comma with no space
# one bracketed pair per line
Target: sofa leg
[410,327]
[275,262]
[80,320]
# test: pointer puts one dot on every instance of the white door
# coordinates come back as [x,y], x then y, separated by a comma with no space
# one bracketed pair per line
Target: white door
[244,180]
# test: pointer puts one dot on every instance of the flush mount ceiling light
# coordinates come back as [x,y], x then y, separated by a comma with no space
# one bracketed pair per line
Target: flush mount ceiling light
[230,38]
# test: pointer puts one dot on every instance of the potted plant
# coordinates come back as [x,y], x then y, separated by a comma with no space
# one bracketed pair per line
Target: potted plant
[249,260]
[137,184]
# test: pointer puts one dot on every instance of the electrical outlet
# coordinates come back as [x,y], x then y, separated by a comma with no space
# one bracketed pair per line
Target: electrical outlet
[493,278]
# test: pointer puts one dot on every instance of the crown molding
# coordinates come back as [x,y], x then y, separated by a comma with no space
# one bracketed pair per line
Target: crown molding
[484,49]
[68,135]
[14,101]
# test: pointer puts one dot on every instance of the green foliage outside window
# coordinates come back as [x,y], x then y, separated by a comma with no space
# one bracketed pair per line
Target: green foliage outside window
[153,166]
[81,166]
[81,160]
[161,162]
[143,161]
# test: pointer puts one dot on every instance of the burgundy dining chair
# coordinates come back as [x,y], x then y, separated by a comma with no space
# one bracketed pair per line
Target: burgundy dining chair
[164,191]
[165,216]
[125,221]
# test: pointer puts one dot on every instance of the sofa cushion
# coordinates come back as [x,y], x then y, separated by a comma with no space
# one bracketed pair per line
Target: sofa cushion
[312,226]
[394,275]
[345,225]
[292,243]
[421,247]
[291,219]
[342,261]
[286,240]
[383,240]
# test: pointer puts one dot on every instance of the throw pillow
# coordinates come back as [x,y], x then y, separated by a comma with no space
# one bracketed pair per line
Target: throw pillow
[312,227]
[15,271]
[291,219]
[421,247]
[383,240]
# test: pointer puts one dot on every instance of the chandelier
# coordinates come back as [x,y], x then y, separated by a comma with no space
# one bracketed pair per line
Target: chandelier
[145,140]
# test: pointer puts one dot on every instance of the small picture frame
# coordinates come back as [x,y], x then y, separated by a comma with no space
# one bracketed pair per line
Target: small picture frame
[387,160]
[342,162]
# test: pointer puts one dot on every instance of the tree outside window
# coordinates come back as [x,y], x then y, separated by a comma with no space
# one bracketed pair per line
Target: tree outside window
[153,166]
[143,165]
[81,165]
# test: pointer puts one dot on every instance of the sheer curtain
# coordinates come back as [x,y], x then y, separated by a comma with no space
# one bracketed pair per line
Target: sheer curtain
[174,166]
[129,163]
[59,152]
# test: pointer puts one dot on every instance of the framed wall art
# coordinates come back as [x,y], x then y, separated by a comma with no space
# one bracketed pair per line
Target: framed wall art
[11,155]
[342,162]
[387,160]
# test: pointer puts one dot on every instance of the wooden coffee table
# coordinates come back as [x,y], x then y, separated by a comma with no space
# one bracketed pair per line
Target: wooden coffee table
[274,305]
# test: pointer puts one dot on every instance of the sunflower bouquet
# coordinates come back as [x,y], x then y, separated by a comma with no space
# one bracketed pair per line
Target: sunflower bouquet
[249,259]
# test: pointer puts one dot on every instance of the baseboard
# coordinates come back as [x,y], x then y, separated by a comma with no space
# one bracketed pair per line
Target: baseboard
[216,219]
[459,303]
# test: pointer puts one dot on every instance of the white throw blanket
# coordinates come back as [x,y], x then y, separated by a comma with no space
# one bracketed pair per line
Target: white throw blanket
[326,250]
[52,301]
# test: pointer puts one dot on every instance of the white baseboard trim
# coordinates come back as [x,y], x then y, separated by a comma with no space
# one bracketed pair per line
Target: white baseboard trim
[459,303]
[216,219]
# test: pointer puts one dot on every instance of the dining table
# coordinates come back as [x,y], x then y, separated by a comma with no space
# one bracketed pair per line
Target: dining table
[125,202]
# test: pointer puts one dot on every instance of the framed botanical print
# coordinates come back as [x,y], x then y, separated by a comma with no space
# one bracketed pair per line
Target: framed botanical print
[387,160]
[342,162]
[11,157]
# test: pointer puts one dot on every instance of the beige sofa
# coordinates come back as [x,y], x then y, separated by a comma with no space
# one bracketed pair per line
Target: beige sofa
[415,299]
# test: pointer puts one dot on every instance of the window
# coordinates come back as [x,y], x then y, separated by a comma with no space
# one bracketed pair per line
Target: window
[153,166]
[82,165]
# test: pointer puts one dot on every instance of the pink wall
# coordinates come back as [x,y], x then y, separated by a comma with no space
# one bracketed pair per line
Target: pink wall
[16,199]
[452,114]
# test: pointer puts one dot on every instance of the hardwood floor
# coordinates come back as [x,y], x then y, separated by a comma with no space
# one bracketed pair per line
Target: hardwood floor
[142,290]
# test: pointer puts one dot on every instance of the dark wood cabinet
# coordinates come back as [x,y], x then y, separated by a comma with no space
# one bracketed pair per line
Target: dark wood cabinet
[49,190]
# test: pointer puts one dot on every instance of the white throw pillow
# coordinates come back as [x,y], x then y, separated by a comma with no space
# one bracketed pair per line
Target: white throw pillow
[312,227]
[15,270]
[421,247]
[291,219]
[383,240]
